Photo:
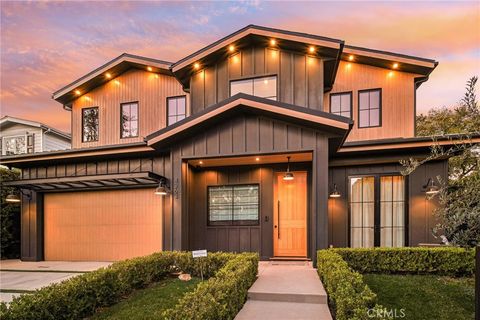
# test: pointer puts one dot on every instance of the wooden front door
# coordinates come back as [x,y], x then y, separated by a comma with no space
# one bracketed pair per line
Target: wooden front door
[290,215]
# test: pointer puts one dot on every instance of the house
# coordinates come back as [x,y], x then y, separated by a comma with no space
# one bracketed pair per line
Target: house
[20,136]
[266,140]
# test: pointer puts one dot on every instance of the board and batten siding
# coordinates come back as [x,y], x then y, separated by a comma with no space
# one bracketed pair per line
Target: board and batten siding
[398,99]
[299,77]
[150,90]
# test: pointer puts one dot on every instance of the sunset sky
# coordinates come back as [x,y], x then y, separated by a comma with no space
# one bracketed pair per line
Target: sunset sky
[46,45]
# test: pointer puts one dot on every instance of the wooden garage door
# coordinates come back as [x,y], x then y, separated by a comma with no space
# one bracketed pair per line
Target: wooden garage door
[102,225]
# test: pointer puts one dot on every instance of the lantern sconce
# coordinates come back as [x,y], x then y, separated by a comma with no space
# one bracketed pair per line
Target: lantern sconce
[163,188]
[15,198]
[335,193]
[430,188]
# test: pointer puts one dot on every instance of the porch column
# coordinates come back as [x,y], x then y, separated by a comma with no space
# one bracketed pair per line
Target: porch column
[31,224]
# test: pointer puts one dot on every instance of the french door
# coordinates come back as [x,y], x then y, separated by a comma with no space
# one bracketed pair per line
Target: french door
[377,209]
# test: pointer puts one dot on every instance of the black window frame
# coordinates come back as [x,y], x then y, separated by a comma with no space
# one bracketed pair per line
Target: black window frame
[168,114]
[121,119]
[339,94]
[233,222]
[83,124]
[380,107]
[377,207]
[253,81]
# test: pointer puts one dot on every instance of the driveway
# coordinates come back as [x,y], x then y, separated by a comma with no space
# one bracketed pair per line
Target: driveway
[20,277]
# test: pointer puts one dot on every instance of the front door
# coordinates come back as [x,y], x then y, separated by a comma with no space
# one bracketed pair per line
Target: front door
[290,215]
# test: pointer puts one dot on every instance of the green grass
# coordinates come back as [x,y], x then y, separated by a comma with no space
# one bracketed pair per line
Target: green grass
[149,303]
[425,296]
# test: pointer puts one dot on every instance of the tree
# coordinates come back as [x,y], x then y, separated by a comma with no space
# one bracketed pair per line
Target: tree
[9,219]
[459,212]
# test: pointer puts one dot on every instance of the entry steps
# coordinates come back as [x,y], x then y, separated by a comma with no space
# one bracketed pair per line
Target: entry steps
[286,290]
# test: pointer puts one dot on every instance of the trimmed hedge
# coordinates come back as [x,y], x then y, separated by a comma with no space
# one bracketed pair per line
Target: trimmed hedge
[222,296]
[81,296]
[443,261]
[349,297]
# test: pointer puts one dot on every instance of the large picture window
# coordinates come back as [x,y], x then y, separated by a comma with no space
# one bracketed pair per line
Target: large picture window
[90,124]
[341,104]
[377,211]
[176,109]
[129,120]
[263,87]
[233,205]
[369,108]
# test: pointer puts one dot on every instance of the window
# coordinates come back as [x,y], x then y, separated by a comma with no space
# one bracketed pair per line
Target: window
[377,219]
[341,104]
[369,108]
[264,87]
[176,109]
[90,124]
[233,205]
[129,120]
[14,145]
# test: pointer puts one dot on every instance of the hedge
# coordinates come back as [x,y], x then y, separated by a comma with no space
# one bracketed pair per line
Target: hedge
[81,296]
[443,261]
[349,297]
[222,296]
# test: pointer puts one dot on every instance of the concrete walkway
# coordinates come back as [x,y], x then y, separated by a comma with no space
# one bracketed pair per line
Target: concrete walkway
[20,277]
[286,290]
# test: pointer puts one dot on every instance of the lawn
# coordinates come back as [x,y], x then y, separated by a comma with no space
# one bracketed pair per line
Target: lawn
[149,303]
[425,296]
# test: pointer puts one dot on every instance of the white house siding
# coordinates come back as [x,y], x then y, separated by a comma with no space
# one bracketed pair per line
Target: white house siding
[52,142]
[19,130]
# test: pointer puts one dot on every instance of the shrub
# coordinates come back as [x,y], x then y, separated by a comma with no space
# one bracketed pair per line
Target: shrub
[9,218]
[81,296]
[443,261]
[222,296]
[349,297]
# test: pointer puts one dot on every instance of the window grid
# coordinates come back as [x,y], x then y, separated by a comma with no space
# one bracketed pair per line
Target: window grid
[366,112]
[393,225]
[176,109]
[362,204]
[345,104]
[129,120]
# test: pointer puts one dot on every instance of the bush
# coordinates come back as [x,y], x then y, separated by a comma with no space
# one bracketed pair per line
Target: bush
[9,218]
[443,261]
[349,297]
[222,296]
[81,296]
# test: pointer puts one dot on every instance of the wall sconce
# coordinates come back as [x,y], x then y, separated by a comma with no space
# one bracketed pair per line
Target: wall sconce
[335,193]
[430,188]
[15,198]
[163,189]
[288,175]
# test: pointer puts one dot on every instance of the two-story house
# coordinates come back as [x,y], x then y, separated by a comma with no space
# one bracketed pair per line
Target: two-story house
[267,140]
[20,136]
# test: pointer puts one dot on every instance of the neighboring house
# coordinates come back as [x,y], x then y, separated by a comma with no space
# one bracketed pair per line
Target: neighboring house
[20,136]
[267,140]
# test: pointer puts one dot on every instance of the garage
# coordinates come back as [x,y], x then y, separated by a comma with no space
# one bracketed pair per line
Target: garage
[102,225]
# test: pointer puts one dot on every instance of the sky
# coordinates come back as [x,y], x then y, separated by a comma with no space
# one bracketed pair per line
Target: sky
[47,45]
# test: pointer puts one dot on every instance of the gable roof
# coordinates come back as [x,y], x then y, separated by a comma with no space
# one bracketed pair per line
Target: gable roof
[338,126]
[4,121]
[328,48]
[114,67]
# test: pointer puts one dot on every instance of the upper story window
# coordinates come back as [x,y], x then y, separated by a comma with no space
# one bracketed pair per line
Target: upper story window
[129,120]
[90,124]
[14,145]
[369,108]
[176,109]
[264,87]
[341,104]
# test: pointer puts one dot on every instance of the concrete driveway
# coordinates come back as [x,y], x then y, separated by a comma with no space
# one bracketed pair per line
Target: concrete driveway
[21,277]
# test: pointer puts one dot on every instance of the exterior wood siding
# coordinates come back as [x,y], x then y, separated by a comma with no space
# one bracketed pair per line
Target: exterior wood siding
[398,99]
[420,209]
[150,90]
[299,77]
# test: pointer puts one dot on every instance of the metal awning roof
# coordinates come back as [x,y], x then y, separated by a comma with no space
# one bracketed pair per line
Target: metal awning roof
[95,182]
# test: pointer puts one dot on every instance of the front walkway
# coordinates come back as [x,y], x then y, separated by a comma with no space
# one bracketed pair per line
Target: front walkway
[19,277]
[286,290]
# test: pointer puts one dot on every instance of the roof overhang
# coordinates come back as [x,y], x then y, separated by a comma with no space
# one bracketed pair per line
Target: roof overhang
[114,67]
[6,120]
[337,126]
[72,155]
[385,59]
[88,183]
[327,48]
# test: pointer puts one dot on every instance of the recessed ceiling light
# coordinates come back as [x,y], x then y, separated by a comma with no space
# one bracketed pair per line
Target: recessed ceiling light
[273,42]
[108,75]
[311,49]
[150,69]
[351,57]
[395,65]
[196,65]
[77,92]
[231,48]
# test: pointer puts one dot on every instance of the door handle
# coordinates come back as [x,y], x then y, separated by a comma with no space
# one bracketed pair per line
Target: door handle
[278,219]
